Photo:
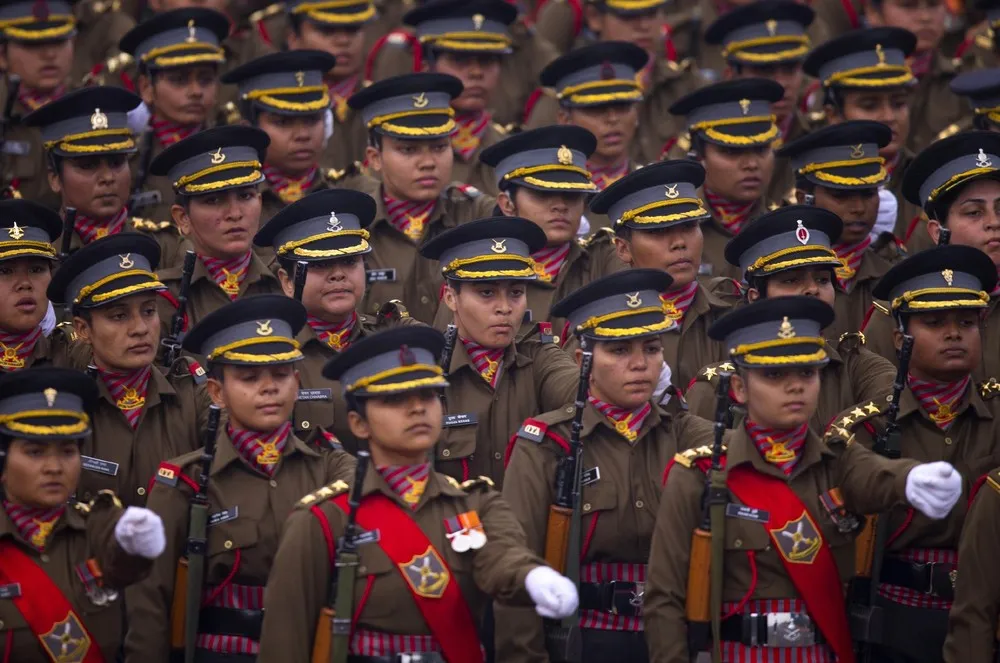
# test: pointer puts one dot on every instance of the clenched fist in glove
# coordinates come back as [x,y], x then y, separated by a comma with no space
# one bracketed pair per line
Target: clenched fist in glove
[554,594]
[140,532]
[933,488]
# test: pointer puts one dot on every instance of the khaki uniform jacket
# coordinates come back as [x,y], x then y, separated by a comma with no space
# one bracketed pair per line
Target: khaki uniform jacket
[271,203]
[348,142]
[911,223]
[85,531]
[300,582]
[474,172]
[22,164]
[852,307]
[395,269]
[56,349]
[782,187]
[260,506]
[713,256]
[981,52]
[100,25]
[854,374]
[535,377]
[868,483]
[626,494]
[164,232]
[933,105]
[690,349]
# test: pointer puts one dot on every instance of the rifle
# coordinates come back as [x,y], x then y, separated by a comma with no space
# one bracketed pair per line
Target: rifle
[172,343]
[703,603]
[866,616]
[301,271]
[69,223]
[191,568]
[332,631]
[563,532]
[450,336]
[139,199]
[944,237]
[7,120]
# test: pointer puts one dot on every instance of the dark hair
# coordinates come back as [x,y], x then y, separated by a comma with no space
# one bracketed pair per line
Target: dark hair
[455,284]
[804,183]
[697,145]
[375,139]
[249,112]
[355,404]
[982,123]
[80,312]
[833,96]
[623,231]
[295,21]
[216,371]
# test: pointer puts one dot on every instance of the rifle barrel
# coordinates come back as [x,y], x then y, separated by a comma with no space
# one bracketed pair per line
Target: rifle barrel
[69,222]
[301,271]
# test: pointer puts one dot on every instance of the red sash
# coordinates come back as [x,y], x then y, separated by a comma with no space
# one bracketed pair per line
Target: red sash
[48,612]
[806,556]
[432,584]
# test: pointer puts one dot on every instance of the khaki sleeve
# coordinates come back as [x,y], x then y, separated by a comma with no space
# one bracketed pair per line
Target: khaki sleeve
[871,483]
[499,567]
[528,488]
[878,336]
[701,399]
[149,602]
[556,376]
[667,573]
[972,623]
[119,568]
[871,375]
[340,466]
[297,590]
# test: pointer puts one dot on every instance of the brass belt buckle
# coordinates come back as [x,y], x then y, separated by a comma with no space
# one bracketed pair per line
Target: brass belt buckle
[790,629]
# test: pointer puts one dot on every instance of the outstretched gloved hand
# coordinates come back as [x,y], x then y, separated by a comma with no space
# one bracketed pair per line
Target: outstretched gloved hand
[554,594]
[933,488]
[140,532]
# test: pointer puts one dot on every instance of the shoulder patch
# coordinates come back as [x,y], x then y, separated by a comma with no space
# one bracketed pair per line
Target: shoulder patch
[533,430]
[392,311]
[169,474]
[469,191]
[397,38]
[266,12]
[326,492]
[185,366]
[688,458]
[840,427]
[851,342]
[950,130]
[602,235]
[989,388]
[478,482]
[710,373]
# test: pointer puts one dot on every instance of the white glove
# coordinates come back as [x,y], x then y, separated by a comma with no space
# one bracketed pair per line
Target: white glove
[660,394]
[49,321]
[554,594]
[140,532]
[138,118]
[888,207]
[584,228]
[933,488]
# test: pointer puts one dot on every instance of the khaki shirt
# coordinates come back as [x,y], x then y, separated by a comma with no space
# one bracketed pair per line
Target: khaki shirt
[868,483]
[782,187]
[852,307]
[911,223]
[271,203]
[260,506]
[85,531]
[713,256]
[23,165]
[300,582]
[164,232]
[626,494]
[690,349]
[933,105]
[475,173]
[100,25]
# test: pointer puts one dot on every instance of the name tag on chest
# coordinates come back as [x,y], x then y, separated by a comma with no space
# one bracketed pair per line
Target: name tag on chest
[11,591]
[381,275]
[464,419]
[100,466]
[224,516]
[144,199]
[744,512]
[315,394]
[593,475]
[17,148]
[705,269]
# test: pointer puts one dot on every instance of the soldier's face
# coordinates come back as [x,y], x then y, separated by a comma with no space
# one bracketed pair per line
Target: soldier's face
[614,126]
[23,303]
[480,74]
[924,18]
[42,66]
[346,43]
[788,74]
[124,335]
[258,398]
[738,174]
[643,30]
[803,281]
[184,95]
[41,474]
[858,209]
[333,289]
[625,373]
[296,141]
[400,428]
[98,187]
[974,218]
[488,313]
[558,214]
[947,345]
[778,398]
[221,224]
[676,250]
[414,170]
[890,107]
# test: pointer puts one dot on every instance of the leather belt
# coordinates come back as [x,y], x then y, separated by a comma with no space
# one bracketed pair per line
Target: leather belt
[429,657]
[772,629]
[230,621]
[616,597]
[933,578]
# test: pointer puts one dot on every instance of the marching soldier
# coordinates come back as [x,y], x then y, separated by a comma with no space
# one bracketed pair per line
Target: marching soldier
[259,470]
[979,49]
[955,182]
[658,216]
[783,497]
[981,90]
[214,175]
[496,377]
[788,253]
[936,298]
[410,123]
[143,414]
[284,95]
[64,562]
[100,25]
[444,549]
[88,145]
[732,134]
[627,440]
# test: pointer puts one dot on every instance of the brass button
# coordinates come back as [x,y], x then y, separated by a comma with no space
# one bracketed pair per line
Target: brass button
[141,491]
[274,484]
[947,440]
[446,453]
[424,299]
[586,507]
[44,557]
[738,543]
[362,570]
[497,455]
[555,339]
[1,624]
[375,307]
[305,425]
[639,504]
[228,545]
[569,409]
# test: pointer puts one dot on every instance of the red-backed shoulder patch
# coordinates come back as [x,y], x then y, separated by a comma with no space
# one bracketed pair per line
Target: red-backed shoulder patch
[168,474]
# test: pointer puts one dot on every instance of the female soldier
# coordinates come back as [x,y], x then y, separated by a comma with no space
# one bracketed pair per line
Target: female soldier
[442,548]
[627,441]
[260,468]
[62,565]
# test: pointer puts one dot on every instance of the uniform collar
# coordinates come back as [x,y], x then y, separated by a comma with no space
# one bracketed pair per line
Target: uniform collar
[256,271]
[592,418]
[373,188]
[437,484]
[741,450]
[908,404]
[460,357]
[157,387]
[71,518]
[225,452]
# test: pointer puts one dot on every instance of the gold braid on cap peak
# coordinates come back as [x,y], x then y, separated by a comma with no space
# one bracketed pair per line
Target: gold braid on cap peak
[769,264]
[595,322]
[13,422]
[992,113]
[453,268]
[315,10]
[745,351]
[436,379]
[957,179]
[13,28]
[184,184]
[637,215]
[633,91]
[226,351]
[67,143]
[849,77]
[633,4]
[527,172]
[977,299]
[736,48]
[385,122]
[87,290]
[817,170]
[295,246]
[468,41]
[203,52]
[26,248]
[709,128]
[269,97]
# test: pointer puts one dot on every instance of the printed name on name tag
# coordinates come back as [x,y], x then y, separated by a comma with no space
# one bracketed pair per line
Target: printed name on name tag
[747,513]
[100,466]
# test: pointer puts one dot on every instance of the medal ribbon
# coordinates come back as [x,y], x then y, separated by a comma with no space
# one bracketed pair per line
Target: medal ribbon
[627,423]
[337,335]
[486,361]
[732,215]
[471,127]
[605,177]
[549,261]
[779,447]
[261,451]
[408,217]
[32,523]
[340,92]
[90,229]
[407,481]
[679,300]
[129,391]
[228,273]
[850,256]
[941,400]
[34,99]
[167,133]
[17,348]
[289,189]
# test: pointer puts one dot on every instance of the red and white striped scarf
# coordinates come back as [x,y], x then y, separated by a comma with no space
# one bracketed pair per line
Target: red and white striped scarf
[167,133]
[627,423]
[779,447]
[850,256]
[340,92]
[16,348]
[90,229]
[228,273]
[471,128]
[32,523]
[731,215]
[407,481]
[129,391]
[941,401]
[680,300]
[337,335]
[549,261]
[34,99]
[920,63]
[262,451]
[289,189]
[487,362]
[408,217]
[604,177]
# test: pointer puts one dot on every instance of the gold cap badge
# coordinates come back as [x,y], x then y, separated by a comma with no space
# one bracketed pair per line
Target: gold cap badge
[564,155]
[98,120]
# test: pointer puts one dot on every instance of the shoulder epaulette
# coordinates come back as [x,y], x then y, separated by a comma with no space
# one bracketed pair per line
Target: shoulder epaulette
[169,474]
[338,487]
[185,366]
[231,113]
[602,234]
[267,12]
[102,497]
[66,329]
[469,191]
[536,430]
[843,422]
[688,458]
[149,225]
[723,286]
[985,42]
[850,342]
[950,130]
[989,388]
[392,311]
[501,129]
[478,482]
[711,372]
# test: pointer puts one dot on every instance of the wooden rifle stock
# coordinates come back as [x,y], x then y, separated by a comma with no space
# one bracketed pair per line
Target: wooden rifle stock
[324,632]
[557,536]
[172,344]
[178,604]
[864,548]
